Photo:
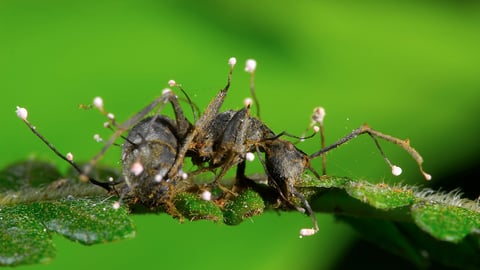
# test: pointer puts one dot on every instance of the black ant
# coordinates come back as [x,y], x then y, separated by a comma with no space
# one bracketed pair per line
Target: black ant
[156,147]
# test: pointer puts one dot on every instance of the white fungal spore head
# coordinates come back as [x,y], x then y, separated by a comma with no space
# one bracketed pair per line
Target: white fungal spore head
[307,232]
[250,156]
[206,195]
[172,83]
[98,103]
[232,61]
[69,156]
[97,138]
[22,113]
[137,168]
[116,205]
[318,114]
[247,102]
[110,116]
[166,91]
[396,170]
[250,66]
[427,176]
[316,129]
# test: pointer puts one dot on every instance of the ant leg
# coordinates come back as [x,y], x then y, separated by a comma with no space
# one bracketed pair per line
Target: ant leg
[405,144]
[306,232]
[183,126]
[205,122]
[240,173]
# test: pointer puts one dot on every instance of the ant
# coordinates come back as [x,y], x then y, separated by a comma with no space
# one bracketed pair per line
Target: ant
[157,146]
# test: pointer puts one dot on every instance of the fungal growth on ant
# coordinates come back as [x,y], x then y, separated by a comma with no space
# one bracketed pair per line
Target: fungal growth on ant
[156,148]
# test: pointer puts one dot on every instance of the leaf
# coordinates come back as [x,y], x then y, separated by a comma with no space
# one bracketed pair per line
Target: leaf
[192,207]
[88,221]
[247,204]
[23,239]
[25,228]
[30,173]
[445,222]
[380,196]
[393,217]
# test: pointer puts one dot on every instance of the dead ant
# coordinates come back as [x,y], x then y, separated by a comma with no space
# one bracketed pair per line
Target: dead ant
[156,147]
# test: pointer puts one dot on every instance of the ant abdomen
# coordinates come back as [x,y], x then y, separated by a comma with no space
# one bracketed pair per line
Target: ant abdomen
[147,156]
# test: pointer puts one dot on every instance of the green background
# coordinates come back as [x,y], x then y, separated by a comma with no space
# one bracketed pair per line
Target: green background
[408,68]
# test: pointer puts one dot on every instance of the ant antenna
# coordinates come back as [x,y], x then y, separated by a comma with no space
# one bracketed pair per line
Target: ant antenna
[22,113]
[405,144]
[250,67]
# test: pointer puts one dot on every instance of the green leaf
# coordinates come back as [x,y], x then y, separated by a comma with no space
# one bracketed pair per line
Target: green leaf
[390,216]
[247,204]
[88,221]
[25,228]
[380,196]
[445,222]
[30,173]
[24,240]
[192,207]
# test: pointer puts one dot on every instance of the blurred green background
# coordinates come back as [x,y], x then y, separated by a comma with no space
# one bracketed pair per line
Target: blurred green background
[408,68]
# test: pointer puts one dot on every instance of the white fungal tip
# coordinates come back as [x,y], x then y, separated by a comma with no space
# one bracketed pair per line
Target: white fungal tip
[307,232]
[396,170]
[427,176]
[250,156]
[206,195]
[250,66]
[232,61]
[97,138]
[172,83]
[318,114]
[316,129]
[110,179]
[184,175]
[166,91]
[137,168]
[98,103]
[158,178]
[22,113]
[106,124]
[69,156]
[247,102]
[110,116]
[116,205]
